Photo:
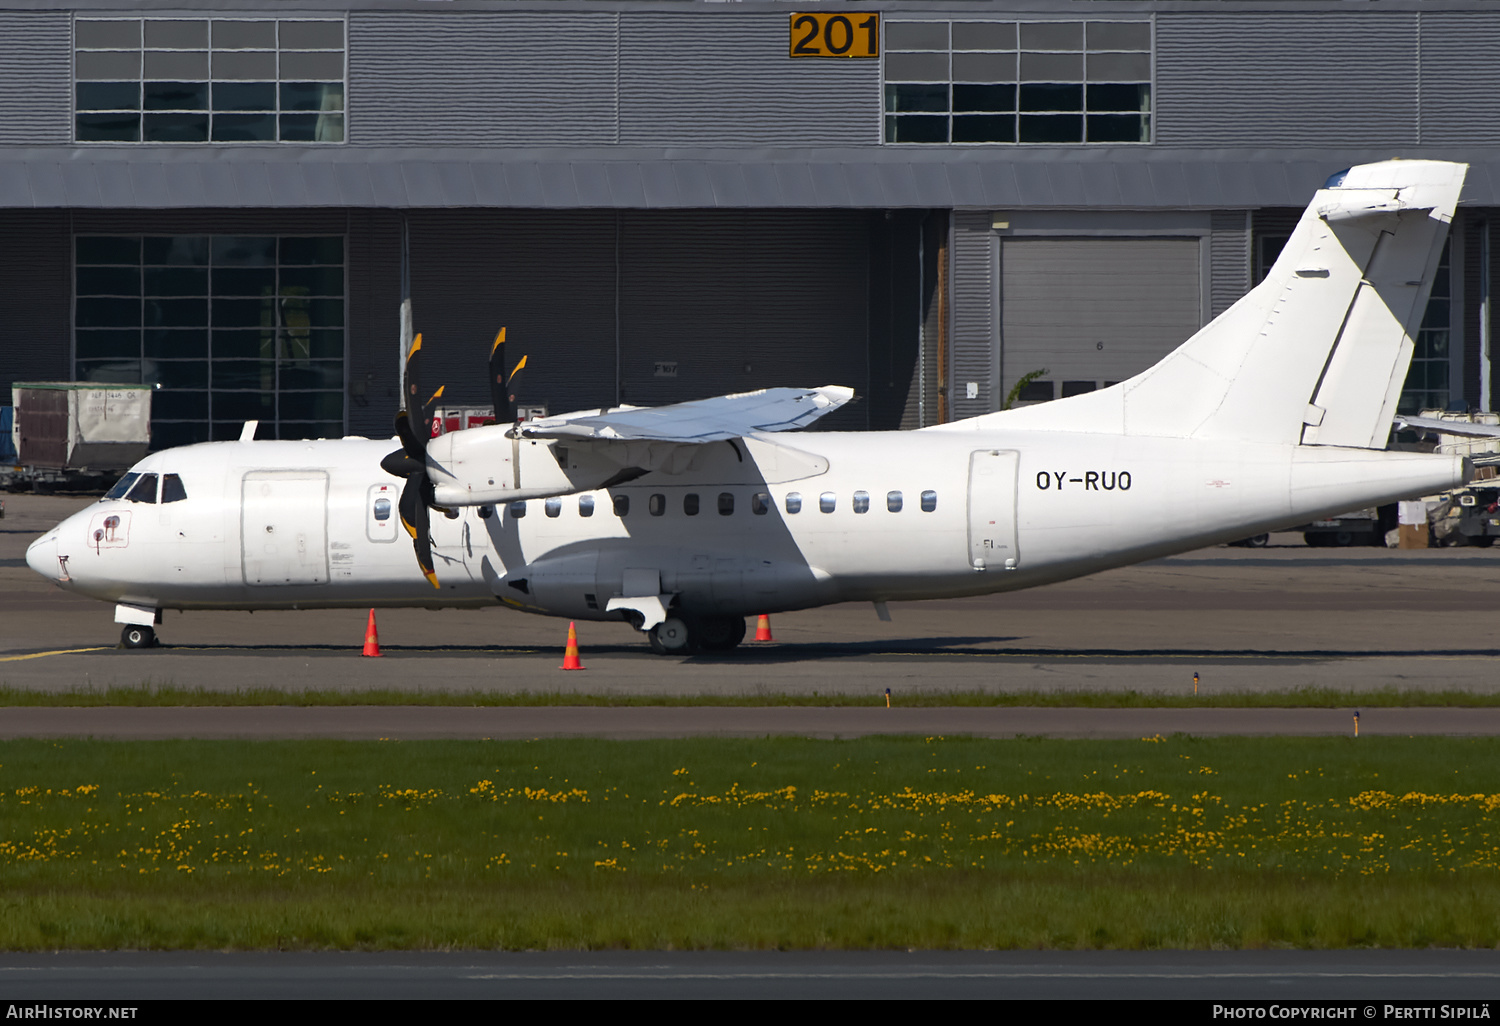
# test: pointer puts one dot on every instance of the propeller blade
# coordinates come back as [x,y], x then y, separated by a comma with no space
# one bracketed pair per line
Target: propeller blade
[406,506]
[415,518]
[423,543]
[503,382]
[411,445]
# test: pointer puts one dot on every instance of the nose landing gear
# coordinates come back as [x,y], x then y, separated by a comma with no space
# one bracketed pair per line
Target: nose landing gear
[138,636]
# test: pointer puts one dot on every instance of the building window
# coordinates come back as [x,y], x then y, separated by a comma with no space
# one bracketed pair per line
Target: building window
[1427,381]
[199,80]
[1009,82]
[229,328]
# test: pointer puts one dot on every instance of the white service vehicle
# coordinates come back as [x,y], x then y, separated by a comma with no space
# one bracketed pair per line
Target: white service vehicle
[685,519]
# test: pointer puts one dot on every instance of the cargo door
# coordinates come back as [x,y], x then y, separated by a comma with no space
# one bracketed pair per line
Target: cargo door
[284,527]
[992,509]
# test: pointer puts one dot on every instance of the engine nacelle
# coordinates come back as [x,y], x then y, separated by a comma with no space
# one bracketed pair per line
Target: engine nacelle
[492,465]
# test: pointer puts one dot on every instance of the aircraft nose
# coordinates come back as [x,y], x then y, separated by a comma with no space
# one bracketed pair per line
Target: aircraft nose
[41,556]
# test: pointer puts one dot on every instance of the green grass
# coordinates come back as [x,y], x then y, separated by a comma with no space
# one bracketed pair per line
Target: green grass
[1295,698]
[876,842]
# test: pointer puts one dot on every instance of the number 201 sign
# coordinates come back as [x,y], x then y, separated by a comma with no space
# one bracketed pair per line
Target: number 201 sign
[835,35]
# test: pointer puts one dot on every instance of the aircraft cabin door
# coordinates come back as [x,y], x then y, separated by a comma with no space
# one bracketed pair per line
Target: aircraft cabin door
[284,527]
[992,509]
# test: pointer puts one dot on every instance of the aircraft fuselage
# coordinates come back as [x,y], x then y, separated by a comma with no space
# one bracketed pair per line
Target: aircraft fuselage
[763,524]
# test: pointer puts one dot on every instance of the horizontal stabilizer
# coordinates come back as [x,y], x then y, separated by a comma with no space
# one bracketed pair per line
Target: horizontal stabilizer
[703,420]
[1448,427]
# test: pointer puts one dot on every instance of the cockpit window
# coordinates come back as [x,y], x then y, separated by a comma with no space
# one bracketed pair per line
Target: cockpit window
[171,489]
[122,486]
[144,490]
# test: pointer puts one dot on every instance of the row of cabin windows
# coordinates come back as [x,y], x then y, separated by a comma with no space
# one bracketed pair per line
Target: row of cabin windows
[134,487]
[692,504]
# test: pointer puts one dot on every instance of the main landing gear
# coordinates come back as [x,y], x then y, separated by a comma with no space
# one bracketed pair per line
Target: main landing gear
[136,636]
[680,635]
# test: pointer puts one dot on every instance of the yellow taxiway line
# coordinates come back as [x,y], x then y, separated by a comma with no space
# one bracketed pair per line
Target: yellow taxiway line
[61,651]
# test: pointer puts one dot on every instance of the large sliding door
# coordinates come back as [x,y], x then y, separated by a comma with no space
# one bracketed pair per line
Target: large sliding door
[1093,311]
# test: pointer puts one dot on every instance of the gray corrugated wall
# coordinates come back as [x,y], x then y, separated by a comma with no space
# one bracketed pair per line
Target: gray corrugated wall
[1229,259]
[1286,79]
[36,291]
[373,256]
[974,298]
[481,79]
[36,87]
[744,300]
[548,277]
[1460,77]
[706,79]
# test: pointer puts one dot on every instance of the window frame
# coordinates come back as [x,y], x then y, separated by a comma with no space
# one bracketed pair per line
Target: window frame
[278,50]
[218,270]
[885,115]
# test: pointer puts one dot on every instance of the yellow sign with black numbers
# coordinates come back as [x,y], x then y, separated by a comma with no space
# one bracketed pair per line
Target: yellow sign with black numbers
[835,35]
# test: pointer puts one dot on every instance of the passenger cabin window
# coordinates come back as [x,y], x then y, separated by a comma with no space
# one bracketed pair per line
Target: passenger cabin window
[929,501]
[657,504]
[144,490]
[121,486]
[690,504]
[794,502]
[622,505]
[861,502]
[382,509]
[893,501]
[827,501]
[518,509]
[553,507]
[726,503]
[585,505]
[760,504]
[171,489]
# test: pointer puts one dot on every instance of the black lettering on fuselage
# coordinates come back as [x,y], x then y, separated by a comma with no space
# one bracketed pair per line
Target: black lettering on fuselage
[1092,480]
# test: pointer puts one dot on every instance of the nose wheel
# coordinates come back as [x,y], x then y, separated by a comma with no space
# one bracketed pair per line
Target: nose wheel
[137,636]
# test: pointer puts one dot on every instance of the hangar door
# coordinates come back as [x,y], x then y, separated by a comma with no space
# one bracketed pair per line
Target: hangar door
[1094,311]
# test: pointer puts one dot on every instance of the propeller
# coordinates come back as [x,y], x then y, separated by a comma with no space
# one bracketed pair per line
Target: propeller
[414,428]
[502,382]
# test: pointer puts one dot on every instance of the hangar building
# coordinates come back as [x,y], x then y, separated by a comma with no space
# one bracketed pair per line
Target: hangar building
[252,204]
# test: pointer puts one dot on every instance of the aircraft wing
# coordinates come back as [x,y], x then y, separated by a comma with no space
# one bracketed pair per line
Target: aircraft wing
[702,420]
[1448,427]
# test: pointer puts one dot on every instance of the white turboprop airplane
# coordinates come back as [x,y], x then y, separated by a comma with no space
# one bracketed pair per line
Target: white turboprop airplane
[685,519]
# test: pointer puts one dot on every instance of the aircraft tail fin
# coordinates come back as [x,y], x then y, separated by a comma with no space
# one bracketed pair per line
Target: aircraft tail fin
[1317,353]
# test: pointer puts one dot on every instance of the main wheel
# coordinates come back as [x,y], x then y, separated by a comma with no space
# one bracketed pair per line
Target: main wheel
[721,633]
[1258,541]
[671,637]
[136,636]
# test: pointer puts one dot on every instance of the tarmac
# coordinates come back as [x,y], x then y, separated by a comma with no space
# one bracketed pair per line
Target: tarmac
[1271,619]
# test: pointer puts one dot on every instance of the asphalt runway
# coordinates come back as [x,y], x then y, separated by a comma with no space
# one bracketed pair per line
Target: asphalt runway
[1243,619]
[1365,982]
[412,723]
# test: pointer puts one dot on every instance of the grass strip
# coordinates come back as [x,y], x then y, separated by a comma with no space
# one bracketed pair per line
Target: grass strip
[704,843]
[1293,698]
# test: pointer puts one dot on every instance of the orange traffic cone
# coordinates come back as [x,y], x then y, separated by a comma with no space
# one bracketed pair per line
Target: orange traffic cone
[570,657]
[763,628]
[372,638]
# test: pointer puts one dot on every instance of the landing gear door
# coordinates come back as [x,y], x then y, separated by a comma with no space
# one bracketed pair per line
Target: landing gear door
[992,509]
